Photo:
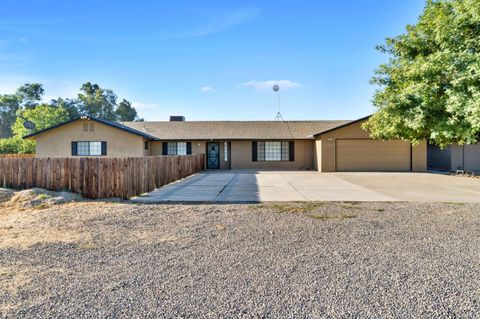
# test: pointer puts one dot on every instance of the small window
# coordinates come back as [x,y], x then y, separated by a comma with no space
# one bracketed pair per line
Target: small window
[146,145]
[225,151]
[88,127]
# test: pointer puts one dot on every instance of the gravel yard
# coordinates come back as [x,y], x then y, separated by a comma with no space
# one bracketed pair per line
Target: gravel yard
[291,260]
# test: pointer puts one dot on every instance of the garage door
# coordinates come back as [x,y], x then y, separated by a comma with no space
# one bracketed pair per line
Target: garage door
[363,155]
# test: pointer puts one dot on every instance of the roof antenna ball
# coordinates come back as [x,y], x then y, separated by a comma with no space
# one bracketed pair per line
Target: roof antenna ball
[276,89]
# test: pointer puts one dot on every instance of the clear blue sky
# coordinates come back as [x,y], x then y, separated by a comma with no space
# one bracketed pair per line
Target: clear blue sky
[205,59]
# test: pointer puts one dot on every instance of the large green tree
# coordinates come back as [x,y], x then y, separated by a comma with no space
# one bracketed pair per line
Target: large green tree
[125,112]
[430,87]
[43,116]
[69,105]
[97,102]
[9,105]
[26,96]
[25,104]
[30,94]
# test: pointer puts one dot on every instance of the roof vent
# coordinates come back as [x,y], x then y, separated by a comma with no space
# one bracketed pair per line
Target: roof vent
[177,118]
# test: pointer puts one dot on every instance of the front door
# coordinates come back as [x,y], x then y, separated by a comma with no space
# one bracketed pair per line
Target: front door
[213,155]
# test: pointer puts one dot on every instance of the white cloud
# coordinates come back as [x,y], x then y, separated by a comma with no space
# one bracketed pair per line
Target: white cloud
[267,85]
[208,89]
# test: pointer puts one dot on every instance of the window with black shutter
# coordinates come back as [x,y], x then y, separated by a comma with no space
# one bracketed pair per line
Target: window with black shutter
[273,151]
[177,148]
[89,148]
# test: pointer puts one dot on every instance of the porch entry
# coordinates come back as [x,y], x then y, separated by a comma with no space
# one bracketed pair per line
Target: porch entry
[213,155]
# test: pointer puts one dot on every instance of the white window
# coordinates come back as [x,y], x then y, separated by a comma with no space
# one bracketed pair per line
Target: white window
[285,151]
[83,148]
[95,148]
[271,151]
[225,151]
[89,148]
[182,148]
[177,148]
[172,148]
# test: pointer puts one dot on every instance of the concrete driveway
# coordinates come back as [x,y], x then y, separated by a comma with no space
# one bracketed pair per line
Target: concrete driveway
[259,186]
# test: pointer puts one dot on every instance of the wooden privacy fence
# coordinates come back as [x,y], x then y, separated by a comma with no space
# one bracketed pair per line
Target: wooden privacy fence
[17,155]
[101,177]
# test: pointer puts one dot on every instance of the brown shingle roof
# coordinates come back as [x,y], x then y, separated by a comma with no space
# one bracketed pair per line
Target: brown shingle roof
[233,130]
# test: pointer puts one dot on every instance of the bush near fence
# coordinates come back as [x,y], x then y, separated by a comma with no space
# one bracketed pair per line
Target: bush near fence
[101,177]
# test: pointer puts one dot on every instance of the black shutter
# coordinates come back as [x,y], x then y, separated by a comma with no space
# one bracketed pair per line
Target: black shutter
[189,148]
[254,151]
[104,148]
[74,149]
[164,148]
[291,151]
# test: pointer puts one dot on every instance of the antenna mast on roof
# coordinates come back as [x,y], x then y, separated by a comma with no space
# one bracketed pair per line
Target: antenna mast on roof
[278,117]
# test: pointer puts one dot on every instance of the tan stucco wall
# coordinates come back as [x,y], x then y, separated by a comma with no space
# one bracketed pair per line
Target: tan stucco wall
[419,157]
[156,147]
[327,163]
[58,142]
[198,147]
[242,157]
[146,152]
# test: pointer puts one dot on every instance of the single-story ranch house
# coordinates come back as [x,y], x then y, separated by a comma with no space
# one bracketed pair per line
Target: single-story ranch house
[326,146]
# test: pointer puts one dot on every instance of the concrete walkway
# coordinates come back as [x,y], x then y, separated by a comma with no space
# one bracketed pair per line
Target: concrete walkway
[260,186]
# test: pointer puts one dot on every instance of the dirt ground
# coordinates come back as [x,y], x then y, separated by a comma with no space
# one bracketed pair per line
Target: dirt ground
[64,257]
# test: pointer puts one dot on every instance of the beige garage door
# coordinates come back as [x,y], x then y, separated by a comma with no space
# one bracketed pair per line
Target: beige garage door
[372,156]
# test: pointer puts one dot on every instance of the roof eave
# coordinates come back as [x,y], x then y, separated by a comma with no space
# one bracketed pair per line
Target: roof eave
[105,122]
[341,126]
[201,139]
